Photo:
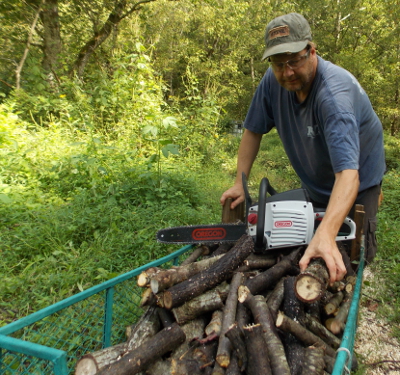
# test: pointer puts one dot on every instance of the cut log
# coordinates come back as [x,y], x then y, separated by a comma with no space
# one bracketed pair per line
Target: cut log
[146,327]
[333,305]
[312,282]
[321,331]
[346,259]
[236,337]
[215,324]
[303,334]
[204,303]
[270,277]
[233,368]
[259,262]
[235,215]
[197,253]
[141,357]
[336,325]
[294,309]
[205,280]
[218,370]
[165,316]
[262,315]
[222,249]
[167,278]
[275,299]
[224,345]
[313,363]
[91,363]
[143,279]
[194,329]
[258,358]
[151,299]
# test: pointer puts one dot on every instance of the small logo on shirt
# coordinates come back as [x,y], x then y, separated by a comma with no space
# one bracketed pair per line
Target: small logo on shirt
[312,131]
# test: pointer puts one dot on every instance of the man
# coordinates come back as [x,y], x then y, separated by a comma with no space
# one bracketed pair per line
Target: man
[329,130]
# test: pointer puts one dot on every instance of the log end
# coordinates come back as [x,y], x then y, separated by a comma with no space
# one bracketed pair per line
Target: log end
[86,366]
[308,289]
[223,360]
[243,293]
[279,319]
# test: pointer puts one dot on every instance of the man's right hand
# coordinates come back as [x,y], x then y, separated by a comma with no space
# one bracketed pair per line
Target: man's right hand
[236,192]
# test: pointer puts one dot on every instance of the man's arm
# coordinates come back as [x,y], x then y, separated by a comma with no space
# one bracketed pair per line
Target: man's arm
[323,244]
[248,150]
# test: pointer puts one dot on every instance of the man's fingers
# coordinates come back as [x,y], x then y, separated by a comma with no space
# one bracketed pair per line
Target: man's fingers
[304,261]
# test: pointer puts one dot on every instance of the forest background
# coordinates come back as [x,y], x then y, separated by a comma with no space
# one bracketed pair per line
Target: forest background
[118,118]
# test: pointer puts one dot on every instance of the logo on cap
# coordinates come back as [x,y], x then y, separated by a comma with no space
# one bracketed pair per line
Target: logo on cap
[278,32]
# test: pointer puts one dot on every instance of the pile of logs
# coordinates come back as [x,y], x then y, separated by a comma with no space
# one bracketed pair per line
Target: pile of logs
[226,310]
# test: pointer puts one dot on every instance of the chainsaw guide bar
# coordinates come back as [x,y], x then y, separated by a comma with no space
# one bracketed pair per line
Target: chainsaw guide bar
[202,233]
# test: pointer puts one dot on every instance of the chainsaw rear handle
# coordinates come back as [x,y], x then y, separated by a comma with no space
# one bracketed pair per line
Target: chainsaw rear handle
[349,222]
[265,187]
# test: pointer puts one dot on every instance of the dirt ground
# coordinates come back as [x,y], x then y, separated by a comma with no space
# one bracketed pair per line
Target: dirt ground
[375,346]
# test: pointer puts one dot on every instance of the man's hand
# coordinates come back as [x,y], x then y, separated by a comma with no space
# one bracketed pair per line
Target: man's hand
[325,248]
[236,192]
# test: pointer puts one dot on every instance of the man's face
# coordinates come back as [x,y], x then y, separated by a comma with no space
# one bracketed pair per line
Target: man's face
[298,72]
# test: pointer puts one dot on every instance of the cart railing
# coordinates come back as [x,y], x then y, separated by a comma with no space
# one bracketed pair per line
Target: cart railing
[51,340]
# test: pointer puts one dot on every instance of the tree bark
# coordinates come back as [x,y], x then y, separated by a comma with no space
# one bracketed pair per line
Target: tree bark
[294,309]
[52,44]
[258,358]
[313,363]
[215,325]
[321,331]
[147,326]
[204,303]
[141,357]
[307,337]
[225,346]
[270,277]
[262,315]
[91,363]
[167,278]
[197,253]
[205,280]
[236,337]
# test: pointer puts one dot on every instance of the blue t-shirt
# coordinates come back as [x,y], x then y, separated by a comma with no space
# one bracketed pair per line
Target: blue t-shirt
[334,129]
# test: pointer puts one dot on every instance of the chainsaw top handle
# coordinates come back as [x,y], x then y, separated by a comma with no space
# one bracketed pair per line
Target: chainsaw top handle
[265,188]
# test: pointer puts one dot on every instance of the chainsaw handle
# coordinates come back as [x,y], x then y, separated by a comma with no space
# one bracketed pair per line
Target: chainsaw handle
[349,222]
[259,245]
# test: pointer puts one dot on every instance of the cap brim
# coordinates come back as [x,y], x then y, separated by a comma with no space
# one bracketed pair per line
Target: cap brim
[292,47]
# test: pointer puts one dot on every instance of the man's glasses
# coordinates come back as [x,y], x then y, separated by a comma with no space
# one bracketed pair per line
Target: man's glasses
[292,64]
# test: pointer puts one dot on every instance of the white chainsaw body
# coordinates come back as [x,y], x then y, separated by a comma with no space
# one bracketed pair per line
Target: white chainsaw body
[291,223]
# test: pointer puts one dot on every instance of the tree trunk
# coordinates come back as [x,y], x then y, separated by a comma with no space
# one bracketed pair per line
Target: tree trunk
[52,44]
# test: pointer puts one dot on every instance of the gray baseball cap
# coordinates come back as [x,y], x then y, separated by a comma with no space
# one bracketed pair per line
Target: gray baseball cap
[289,33]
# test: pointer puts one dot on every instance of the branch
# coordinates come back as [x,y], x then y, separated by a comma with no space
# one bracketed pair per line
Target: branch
[28,43]
[136,7]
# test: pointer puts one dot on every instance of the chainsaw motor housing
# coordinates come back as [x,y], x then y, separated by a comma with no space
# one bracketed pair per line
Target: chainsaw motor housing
[288,219]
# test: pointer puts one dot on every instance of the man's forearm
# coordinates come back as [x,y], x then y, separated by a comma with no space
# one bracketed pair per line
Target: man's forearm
[247,153]
[344,194]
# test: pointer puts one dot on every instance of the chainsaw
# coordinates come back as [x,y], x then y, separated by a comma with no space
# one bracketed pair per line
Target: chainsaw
[279,220]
